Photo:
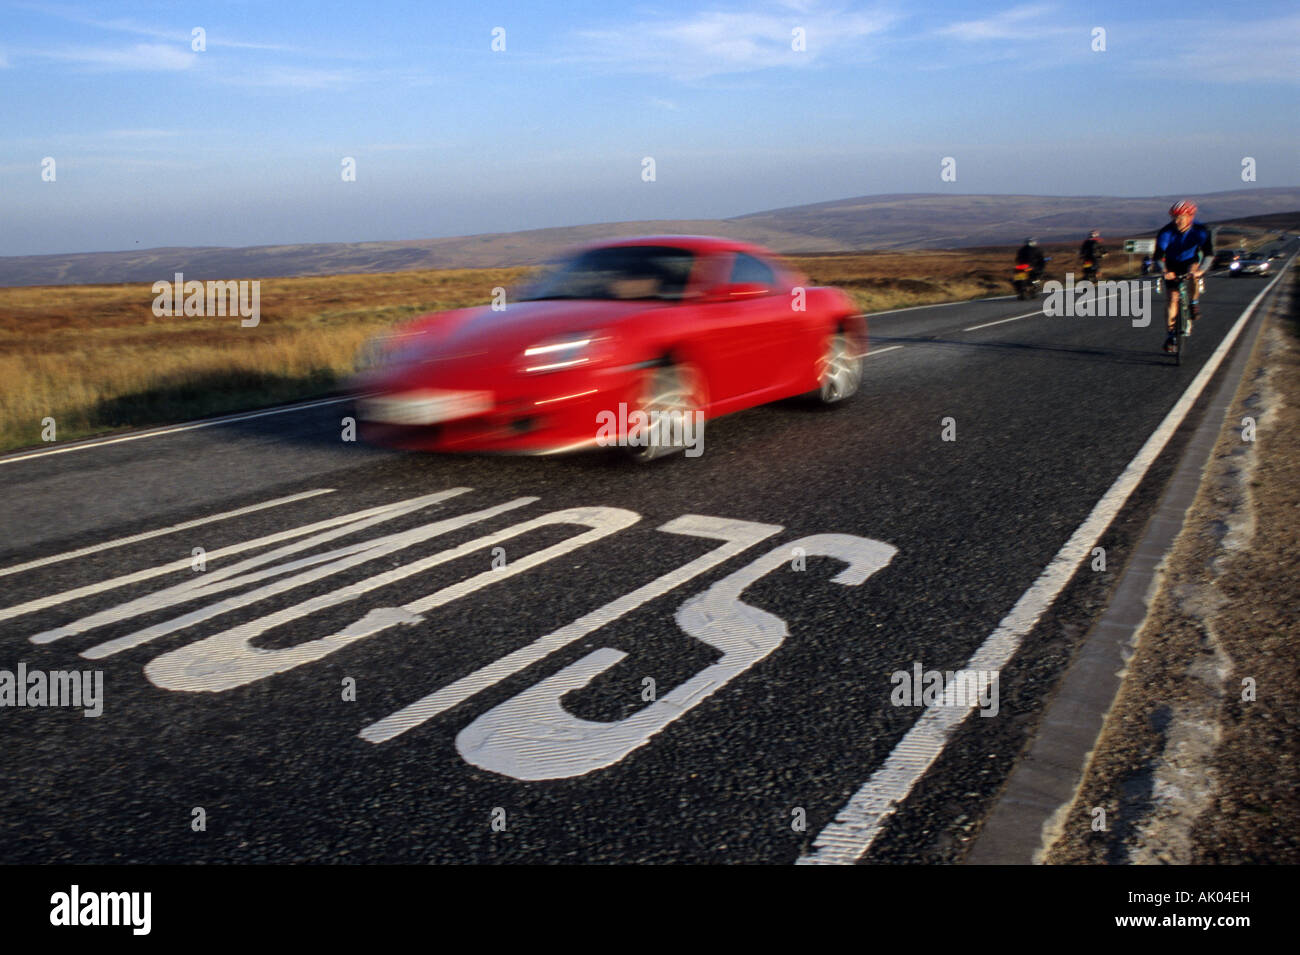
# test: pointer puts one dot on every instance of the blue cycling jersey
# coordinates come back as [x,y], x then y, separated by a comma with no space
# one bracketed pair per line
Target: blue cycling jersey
[1181,248]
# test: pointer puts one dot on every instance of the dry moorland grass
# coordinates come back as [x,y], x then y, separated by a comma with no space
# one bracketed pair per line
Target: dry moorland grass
[95,358]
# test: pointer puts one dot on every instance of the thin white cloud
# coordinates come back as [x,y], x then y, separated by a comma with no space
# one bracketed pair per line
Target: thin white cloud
[214,37]
[144,57]
[711,43]
[1245,52]
[1026,22]
[294,78]
[139,133]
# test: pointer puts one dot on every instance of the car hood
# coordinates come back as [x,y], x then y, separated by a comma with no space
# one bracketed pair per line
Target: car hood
[481,331]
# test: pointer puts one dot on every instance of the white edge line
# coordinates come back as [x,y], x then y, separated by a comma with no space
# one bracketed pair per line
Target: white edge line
[212,422]
[123,541]
[881,351]
[856,826]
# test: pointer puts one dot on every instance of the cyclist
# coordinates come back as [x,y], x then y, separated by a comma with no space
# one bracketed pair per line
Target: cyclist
[1183,247]
[1031,255]
[1092,251]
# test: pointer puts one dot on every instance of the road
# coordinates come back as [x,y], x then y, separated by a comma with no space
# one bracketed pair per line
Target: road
[692,663]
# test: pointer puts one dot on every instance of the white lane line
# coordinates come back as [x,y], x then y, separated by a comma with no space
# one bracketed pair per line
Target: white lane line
[210,423]
[1013,318]
[1001,321]
[913,308]
[881,351]
[863,818]
[186,525]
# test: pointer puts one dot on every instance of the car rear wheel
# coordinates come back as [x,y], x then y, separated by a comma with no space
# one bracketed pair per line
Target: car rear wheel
[673,398]
[839,371]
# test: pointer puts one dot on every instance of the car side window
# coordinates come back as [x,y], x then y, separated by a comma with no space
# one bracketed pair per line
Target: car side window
[747,269]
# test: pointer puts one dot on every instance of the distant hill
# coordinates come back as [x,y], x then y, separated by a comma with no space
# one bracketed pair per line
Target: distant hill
[911,221]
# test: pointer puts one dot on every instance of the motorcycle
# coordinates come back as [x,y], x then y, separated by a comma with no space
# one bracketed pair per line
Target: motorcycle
[1026,281]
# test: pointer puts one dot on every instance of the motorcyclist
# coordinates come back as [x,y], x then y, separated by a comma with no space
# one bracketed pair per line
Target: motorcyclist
[1031,255]
[1092,251]
[1183,247]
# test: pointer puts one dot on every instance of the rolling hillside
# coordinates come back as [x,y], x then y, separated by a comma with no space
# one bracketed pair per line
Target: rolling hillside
[894,222]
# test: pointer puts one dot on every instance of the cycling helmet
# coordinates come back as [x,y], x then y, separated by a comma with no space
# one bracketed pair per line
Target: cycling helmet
[1094,234]
[1183,207]
[1031,241]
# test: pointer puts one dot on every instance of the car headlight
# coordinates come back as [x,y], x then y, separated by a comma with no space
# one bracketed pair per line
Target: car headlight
[566,351]
[1235,265]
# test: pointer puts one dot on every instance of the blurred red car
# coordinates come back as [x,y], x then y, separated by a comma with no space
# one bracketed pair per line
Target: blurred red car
[680,328]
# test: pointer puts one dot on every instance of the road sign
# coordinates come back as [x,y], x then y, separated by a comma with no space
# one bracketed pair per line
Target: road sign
[1139,245]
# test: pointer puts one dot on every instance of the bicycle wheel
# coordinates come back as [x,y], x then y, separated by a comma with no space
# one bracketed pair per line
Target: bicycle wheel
[1184,320]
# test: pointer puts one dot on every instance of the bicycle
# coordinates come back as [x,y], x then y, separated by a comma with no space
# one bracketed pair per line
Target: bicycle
[1184,322]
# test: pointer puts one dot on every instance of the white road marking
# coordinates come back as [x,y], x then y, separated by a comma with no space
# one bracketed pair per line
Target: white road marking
[863,818]
[339,560]
[739,536]
[1014,318]
[913,308]
[186,525]
[1002,321]
[228,659]
[357,520]
[210,423]
[881,351]
[531,736]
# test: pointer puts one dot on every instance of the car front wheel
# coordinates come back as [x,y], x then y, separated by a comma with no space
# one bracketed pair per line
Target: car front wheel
[672,406]
[839,371]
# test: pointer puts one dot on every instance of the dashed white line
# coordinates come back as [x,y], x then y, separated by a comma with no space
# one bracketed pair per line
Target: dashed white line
[1001,321]
[1013,318]
[861,821]
[913,308]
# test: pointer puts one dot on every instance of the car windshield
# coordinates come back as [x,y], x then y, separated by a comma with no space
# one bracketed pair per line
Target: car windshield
[618,272]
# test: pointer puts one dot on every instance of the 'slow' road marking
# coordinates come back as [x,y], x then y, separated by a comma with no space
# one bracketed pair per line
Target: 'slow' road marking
[737,536]
[862,820]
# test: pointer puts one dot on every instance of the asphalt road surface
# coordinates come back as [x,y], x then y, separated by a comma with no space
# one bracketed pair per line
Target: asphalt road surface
[393,657]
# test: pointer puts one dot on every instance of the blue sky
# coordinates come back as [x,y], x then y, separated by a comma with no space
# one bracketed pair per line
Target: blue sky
[242,143]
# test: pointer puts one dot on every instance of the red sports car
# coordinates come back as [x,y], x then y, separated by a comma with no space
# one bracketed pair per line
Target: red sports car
[631,343]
